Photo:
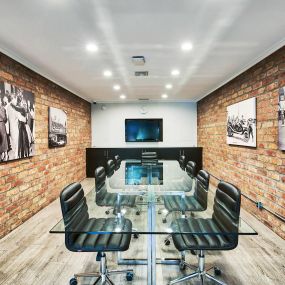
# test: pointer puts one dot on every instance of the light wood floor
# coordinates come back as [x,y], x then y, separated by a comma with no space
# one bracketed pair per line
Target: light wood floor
[30,255]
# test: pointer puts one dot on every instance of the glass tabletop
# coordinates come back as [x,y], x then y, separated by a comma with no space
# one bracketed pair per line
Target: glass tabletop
[140,223]
[148,186]
[165,175]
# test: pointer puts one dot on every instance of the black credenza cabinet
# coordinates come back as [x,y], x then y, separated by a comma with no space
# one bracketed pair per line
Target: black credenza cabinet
[98,156]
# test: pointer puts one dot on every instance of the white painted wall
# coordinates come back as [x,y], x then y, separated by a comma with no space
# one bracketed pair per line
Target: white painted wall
[179,123]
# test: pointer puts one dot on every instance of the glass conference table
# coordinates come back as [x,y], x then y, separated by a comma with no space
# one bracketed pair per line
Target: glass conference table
[149,182]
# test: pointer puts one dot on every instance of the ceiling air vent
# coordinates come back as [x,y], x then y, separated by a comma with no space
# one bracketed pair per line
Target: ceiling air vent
[141,73]
[138,60]
[143,99]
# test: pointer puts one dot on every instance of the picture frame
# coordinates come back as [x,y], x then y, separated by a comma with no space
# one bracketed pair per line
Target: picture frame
[57,136]
[241,123]
[281,118]
[17,122]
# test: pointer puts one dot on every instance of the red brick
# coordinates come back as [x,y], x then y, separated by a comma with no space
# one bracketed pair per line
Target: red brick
[24,184]
[258,172]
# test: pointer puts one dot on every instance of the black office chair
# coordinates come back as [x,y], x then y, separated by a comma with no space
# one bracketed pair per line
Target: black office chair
[107,199]
[110,167]
[182,161]
[191,170]
[187,185]
[76,218]
[225,221]
[117,161]
[194,203]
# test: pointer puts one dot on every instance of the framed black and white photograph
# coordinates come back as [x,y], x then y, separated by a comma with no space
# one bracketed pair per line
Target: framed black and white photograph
[17,122]
[281,118]
[241,123]
[57,127]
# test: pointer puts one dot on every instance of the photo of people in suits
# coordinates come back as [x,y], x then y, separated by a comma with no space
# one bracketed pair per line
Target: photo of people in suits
[17,122]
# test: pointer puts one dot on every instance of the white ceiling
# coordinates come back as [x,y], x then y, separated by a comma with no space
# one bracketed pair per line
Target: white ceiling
[50,36]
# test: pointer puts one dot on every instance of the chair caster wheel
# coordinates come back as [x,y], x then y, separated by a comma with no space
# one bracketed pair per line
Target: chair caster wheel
[193,252]
[167,242]
[217,271]
[107,212]
[138,213]
[159,212]
[136,236]
[130,276]
[164,221]
[73,281]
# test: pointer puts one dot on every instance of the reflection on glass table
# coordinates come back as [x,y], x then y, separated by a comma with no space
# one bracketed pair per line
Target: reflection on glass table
[136,175]
[140,222]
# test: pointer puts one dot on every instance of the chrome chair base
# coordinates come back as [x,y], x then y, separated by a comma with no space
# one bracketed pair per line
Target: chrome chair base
[201,273]
[122,211]
[103,276]
[166,213]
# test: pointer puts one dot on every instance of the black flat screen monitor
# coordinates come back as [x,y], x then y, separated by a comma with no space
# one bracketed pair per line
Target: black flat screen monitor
[143,130]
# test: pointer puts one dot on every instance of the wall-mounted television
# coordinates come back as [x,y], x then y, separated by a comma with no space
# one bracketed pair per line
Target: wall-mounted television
[143,130]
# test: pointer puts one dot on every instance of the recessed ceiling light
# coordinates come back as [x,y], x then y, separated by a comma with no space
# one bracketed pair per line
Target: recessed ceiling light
[116,87]
[168,86]
[91,47]
[107,73]
[123,96]
[164,96]
[175,72]
[186,46]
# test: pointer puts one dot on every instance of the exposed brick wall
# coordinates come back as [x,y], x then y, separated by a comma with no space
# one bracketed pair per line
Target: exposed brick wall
[28,185]
[258,172]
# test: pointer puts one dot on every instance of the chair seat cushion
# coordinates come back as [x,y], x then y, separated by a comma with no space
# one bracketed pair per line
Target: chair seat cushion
[110,199]
[196,239]
[101,242]
[174,203]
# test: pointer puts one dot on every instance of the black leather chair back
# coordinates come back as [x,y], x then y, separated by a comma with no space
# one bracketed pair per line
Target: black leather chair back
[100,181]
[182,161]
[74,211]
[191,169]
[202,187]
[110,167]
[117,161]
[227,209]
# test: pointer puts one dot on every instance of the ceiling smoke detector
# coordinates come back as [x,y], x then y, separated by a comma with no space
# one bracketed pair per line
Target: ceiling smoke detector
[138,60]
